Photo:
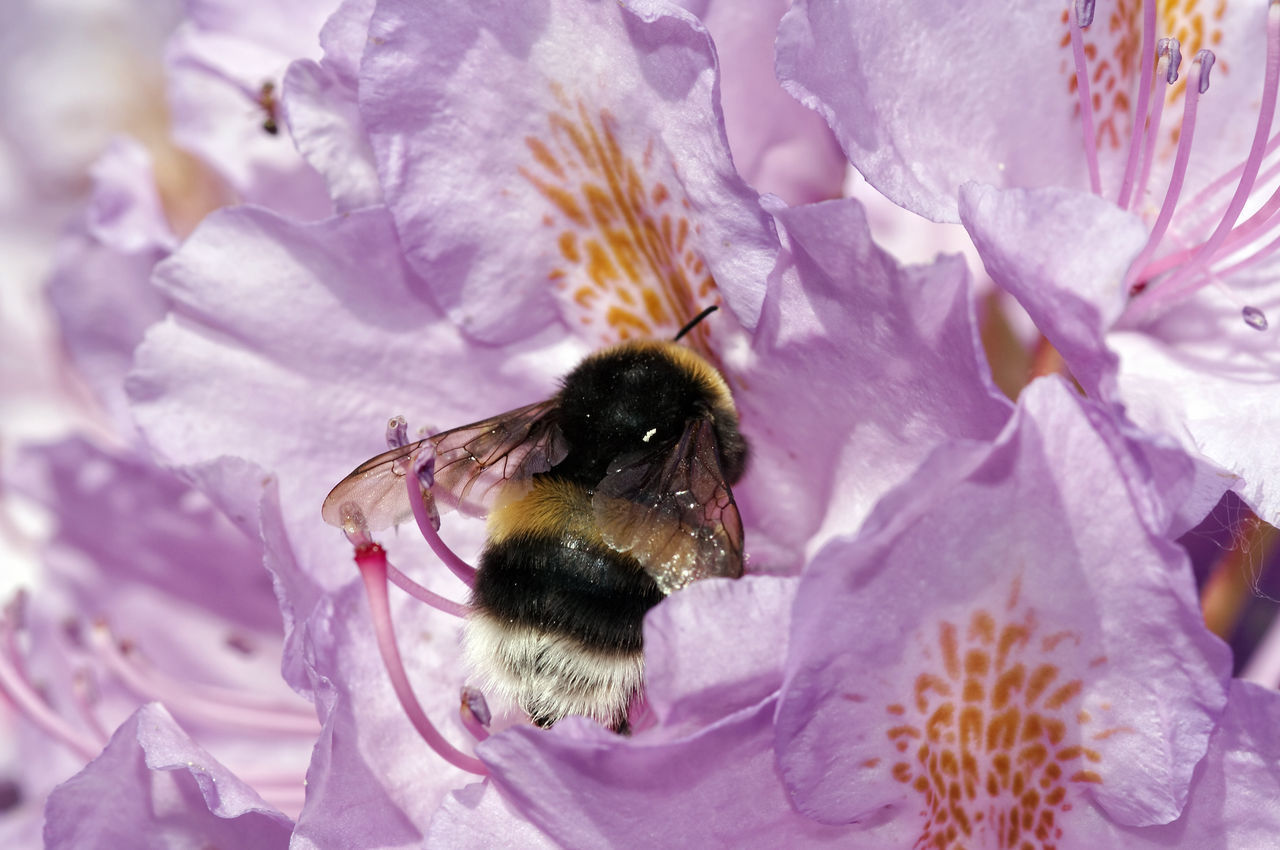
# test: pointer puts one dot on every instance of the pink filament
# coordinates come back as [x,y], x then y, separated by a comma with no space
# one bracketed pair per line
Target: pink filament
[182,702]
[421,594]
[1153,133]
[372,561]
[1190,276]
[1086,104]
[24,696]
[1176,179]
[1141,124]
[456,565]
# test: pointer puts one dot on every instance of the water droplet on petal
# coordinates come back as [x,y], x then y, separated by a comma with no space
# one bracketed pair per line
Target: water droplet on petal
[1254,318]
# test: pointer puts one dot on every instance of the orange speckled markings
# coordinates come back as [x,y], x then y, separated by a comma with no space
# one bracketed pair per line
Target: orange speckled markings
[993,738]
[627,260]
[1113,47]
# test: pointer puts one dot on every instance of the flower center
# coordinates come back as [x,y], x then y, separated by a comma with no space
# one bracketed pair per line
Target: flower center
[630,266]
[1200,241]
[992,739]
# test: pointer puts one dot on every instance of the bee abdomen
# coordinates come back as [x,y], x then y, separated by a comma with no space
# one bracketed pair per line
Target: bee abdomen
[551,675]
[567,586]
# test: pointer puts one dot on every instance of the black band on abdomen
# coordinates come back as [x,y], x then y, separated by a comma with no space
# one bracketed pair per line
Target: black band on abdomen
[567,586]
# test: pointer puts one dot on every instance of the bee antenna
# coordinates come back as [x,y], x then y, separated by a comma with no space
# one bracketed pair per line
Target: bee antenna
[693,323]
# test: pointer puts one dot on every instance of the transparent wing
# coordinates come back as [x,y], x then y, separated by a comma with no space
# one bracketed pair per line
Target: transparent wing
[377,488]
[473,464]
[672,509]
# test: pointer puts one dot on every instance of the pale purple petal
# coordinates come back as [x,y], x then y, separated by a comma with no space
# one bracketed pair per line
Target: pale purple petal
[861,367]
[694,673]
[293,344]
[153,787]
[1063,255]
[100,285]
[586,787]
[121,528]
[1069,624]
[778,145]
[326,126]
[320,102]
[578,135]
[1235,789]
[1211,383]
[373,781]
[479,818]
[925,96]
[218,63]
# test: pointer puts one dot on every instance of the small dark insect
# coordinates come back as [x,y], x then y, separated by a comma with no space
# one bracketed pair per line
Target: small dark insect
[600,501]
[270,105]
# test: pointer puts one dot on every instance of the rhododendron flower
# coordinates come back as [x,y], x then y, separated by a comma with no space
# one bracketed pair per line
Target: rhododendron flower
[1055,686]
[498,190]
[1146,258]
[147,593]
[611,209]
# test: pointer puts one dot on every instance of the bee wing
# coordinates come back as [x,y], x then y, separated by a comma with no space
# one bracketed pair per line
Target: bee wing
[475,462]
[472,463]
[672,509]
[377,488]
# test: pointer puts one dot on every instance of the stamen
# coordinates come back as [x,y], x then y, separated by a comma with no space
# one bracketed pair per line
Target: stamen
[397,432]
[357,531]
[212,694]
[1169,55]
[419,485]
[1083,18]
[24,696]
[1204,59]
[421,594]
[1263,253]
[1190,277]
[118,658]
[1084,13]
[1254,318]
[372,562]
[474,711]
[1142,124]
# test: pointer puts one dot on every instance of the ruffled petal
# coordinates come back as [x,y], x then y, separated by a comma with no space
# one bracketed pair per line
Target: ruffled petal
[1007,620]
[587,143]
[860,368]
[153,787]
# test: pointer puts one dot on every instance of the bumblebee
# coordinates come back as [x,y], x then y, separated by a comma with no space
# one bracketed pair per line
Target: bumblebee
[600,501]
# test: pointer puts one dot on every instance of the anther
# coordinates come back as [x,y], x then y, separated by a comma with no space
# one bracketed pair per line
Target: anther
[474,711]
[1084,13]
[1206,60]
[397,432]
[1254,318]
[1170,48]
